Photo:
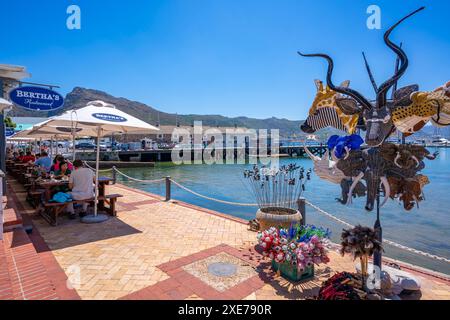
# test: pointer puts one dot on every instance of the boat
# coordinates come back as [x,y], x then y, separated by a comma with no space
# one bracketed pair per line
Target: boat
[439,140]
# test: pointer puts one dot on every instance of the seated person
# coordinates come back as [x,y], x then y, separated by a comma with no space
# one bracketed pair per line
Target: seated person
[81,182]
[44,161]
[63,170]
[28,157]
[9,154]
[55,166]
[69,164]
[20,157]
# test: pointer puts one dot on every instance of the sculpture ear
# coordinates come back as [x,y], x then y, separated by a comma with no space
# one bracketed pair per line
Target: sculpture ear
[348,106]
[319,85]
[447,85]
[345,84]
[402,95]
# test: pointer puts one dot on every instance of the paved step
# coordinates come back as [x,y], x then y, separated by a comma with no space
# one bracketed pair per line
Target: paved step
[28,277]
[6,292]
[11,219]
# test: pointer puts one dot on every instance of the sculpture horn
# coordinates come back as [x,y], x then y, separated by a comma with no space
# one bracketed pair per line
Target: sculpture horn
[384,88]
[348,91]
[353,186]
[387,189]
[396,159]
[310,154]
[416,160]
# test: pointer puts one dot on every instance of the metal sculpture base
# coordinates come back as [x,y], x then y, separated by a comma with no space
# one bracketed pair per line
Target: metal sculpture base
[90,218]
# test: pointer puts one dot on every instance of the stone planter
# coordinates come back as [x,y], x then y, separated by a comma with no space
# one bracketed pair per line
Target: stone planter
[291,273]
[277,217]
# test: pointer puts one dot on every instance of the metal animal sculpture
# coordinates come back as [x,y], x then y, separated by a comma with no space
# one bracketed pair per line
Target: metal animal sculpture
[325,113]
[443,116]
[375,178]
[367,165]
[408,190]
[412,110]
[377,115]
[326,168]
[358,191]
[403,163]
[405,159]
[341,146]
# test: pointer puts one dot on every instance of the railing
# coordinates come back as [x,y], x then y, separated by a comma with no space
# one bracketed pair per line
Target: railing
[301,207]
[2,176]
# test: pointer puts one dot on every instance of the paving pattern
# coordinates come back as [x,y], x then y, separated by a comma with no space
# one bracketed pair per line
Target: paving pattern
[147,250]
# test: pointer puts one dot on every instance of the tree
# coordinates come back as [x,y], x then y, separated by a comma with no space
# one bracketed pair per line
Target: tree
[9,123]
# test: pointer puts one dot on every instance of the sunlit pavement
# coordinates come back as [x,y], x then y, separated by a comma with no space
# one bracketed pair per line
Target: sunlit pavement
[158,250]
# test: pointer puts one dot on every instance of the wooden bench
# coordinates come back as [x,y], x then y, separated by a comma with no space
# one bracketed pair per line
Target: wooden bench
[53,209]
[34,197]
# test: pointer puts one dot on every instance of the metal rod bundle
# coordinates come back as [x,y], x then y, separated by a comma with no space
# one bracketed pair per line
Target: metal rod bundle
[280,187]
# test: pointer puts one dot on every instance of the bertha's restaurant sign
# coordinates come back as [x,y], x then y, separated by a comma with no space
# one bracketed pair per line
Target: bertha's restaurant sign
[36,98]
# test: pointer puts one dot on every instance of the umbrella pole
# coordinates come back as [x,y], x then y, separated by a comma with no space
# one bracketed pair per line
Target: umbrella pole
[97,165]
[51,147]
[96,218]
[73,146]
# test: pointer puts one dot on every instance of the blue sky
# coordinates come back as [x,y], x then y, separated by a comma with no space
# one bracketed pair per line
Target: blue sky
[230,57]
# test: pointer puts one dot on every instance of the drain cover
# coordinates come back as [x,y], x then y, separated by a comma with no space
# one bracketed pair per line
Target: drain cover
[222,269]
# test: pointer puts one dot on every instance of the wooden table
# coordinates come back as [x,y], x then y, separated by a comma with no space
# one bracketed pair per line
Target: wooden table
[52,209]
[48,185]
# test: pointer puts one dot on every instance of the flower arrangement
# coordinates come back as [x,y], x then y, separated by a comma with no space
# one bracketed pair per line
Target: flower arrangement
[299,247]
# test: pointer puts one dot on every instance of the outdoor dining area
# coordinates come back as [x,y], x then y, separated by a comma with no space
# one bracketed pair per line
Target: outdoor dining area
[55,186]
[41,188]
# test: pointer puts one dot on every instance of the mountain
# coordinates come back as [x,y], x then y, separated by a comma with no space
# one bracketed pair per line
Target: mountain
[80,96]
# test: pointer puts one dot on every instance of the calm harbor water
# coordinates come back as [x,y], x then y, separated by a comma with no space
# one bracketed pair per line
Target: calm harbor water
[425,228]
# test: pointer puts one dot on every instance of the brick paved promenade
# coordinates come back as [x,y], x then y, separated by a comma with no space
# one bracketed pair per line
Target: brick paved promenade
[157,250]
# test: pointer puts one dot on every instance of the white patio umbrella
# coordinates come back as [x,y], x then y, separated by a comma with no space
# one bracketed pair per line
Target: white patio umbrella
[97,119]
[4,104]
[44,131]
[40,133]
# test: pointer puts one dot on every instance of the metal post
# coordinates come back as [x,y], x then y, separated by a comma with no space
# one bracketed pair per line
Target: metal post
[2,141]
[114,174]
[167,188]
[301,203]
[2,176]
[379,232]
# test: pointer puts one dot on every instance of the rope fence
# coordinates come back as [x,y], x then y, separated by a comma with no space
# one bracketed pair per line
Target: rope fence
[99,170]
[135,179]
[316,208]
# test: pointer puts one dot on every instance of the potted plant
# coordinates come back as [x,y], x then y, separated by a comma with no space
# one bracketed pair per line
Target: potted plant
[296,250]
[277,191]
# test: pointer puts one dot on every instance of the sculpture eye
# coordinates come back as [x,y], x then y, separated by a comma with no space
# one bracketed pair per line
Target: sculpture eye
[386,119]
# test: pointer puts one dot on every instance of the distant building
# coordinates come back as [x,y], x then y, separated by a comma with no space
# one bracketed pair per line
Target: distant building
[232,136]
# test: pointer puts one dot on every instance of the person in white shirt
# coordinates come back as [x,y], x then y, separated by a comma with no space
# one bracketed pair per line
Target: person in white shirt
[81,182]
